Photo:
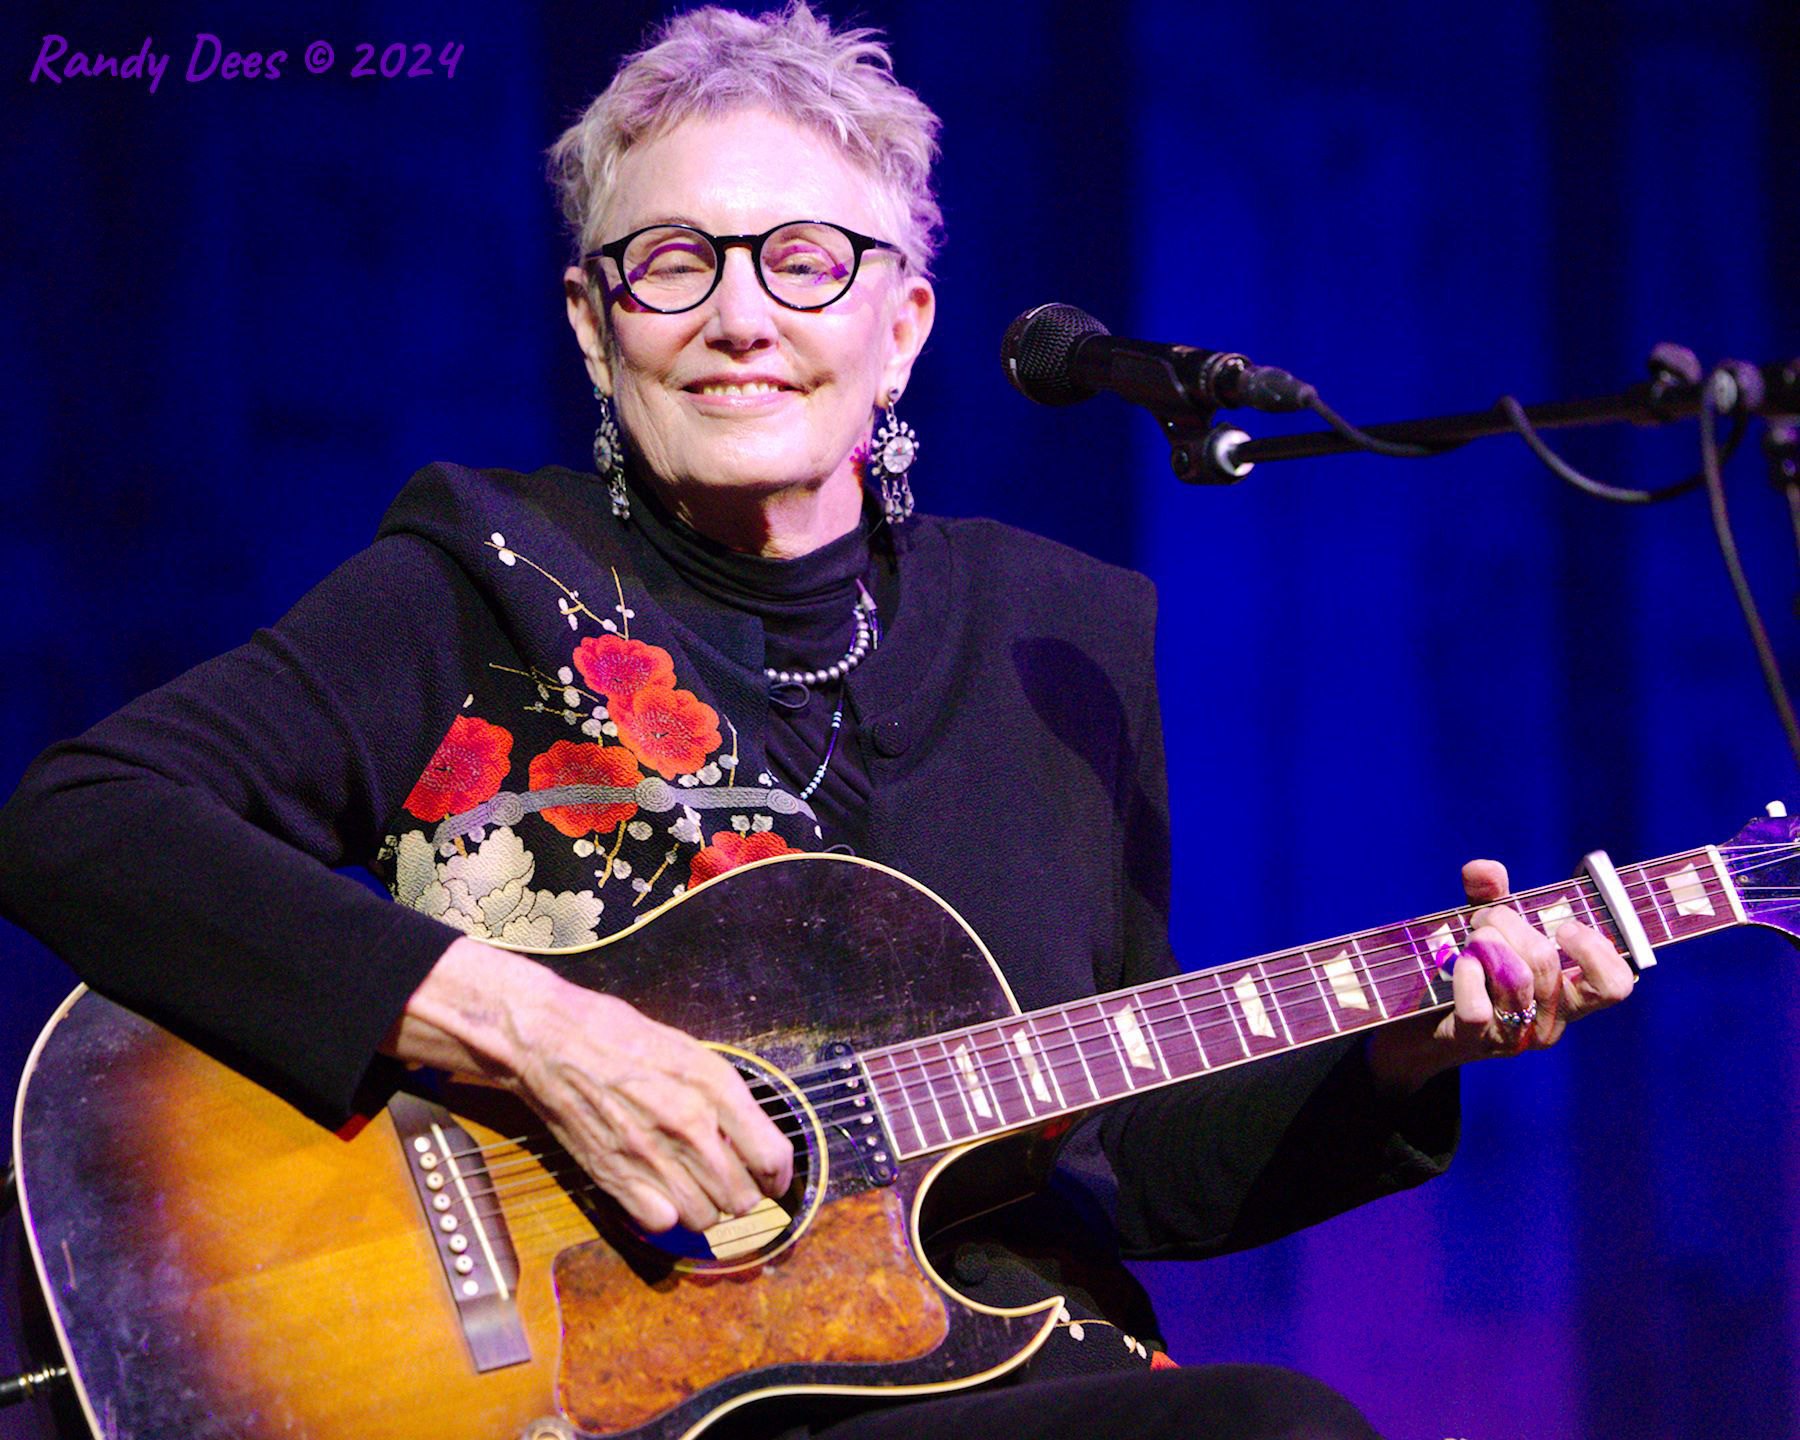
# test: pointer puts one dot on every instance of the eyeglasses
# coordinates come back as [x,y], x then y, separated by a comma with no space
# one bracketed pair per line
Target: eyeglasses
[803,264]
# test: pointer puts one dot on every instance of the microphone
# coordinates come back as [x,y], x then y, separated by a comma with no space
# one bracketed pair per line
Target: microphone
[1058,355]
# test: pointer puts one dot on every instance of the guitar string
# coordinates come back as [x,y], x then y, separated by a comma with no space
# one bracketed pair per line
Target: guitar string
[1642,887]
[1057,1065]
[495,1192]
[536,1167]
[548,1181]
[920,1069]
[754,1237]
[557,1207]
[1076,1041]
[1405,949]
[1404,953]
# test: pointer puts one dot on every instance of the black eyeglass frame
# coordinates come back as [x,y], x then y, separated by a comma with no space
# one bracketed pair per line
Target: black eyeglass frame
[859,246]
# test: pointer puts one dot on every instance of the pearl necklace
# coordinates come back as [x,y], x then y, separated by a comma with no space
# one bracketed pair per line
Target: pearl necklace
[866,620]
[864,613]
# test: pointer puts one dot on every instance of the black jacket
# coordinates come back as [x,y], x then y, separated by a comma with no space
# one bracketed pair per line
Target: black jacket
[179,854]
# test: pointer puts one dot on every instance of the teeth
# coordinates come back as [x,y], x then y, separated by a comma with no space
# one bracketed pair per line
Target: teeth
[755,387]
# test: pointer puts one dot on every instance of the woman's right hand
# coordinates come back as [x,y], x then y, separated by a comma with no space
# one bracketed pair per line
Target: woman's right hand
[664,1125]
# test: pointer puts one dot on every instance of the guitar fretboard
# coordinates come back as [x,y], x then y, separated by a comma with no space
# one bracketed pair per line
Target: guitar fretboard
[946,1089]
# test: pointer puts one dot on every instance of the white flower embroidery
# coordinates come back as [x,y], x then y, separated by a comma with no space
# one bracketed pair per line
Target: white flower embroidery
[546,921]
[687,828]
[709,774]
[762,822]
[487,892]
[638,830]
[414,868]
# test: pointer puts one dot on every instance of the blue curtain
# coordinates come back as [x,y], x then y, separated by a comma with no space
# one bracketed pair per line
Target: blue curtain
[243,311]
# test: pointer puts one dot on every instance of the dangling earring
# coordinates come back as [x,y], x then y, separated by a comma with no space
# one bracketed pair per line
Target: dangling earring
[609,457]
[891,454]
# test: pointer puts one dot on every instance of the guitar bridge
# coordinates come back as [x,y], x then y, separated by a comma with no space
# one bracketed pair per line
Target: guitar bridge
[473,1245]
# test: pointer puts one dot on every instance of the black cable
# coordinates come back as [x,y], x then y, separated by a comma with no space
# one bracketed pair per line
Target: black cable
[1402,450]
[1713,473]
[1781,444]
[1515,415]
[1793,499]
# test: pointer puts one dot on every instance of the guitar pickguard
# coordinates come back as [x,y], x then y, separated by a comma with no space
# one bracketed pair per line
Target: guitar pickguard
[848,1293]
[219,1266]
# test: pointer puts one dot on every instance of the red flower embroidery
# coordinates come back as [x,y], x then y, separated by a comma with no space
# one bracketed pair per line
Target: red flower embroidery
[569,763]
[1160,1361]
[468,767]
[617,668]
[730,850]
[670,730]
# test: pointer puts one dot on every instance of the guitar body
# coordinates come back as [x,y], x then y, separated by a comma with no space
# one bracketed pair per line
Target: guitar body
[217,1265]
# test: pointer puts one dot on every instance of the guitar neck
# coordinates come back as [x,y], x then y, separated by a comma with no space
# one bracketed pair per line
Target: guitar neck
[945,1090]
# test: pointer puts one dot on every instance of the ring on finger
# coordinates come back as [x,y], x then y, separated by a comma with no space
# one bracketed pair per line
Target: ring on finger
[1516,1019]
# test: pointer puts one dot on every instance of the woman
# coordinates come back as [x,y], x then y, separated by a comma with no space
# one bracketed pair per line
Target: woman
[541,705]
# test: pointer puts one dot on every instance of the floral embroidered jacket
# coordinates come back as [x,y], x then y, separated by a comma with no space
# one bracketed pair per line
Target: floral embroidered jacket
[521,718]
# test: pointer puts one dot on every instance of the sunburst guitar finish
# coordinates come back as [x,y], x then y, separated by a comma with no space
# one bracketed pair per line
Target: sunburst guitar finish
[218,1265]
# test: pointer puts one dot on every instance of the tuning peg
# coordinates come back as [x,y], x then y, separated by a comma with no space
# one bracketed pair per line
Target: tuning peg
[1777,809]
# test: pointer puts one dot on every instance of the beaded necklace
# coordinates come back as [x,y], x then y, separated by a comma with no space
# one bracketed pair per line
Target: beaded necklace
[867,638]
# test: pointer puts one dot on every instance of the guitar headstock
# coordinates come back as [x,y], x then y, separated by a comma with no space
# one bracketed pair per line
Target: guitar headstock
[1764,862]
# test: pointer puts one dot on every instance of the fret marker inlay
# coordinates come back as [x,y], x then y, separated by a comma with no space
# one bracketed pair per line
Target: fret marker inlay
[1131,1036]
[1022,1043]
[1341,972]
[1688,891]
[972,1083]
[1255,1015]
[1553,917]
[1442,944]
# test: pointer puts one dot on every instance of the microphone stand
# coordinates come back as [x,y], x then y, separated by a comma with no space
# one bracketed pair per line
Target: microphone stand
[1204,453]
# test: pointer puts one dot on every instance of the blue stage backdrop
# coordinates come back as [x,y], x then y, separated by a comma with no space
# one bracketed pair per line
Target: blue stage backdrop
[242,312]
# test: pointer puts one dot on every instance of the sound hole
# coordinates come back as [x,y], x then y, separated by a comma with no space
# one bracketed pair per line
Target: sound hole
[748,1239]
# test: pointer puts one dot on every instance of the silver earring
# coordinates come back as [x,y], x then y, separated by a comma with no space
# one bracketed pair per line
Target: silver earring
[891,454]
[609,457]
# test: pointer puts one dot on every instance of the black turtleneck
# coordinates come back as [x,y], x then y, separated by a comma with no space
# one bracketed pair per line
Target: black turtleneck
[806,607]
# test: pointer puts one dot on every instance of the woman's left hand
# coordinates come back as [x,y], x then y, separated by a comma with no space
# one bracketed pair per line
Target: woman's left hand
[1511,991]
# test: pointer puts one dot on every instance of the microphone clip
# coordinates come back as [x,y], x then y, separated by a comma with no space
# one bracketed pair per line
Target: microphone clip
[1202,453]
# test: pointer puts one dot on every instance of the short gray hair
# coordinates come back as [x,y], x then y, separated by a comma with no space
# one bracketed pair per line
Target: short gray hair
[710,62]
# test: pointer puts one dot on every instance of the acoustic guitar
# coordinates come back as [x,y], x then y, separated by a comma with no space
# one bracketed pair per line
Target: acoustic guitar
[217,1265]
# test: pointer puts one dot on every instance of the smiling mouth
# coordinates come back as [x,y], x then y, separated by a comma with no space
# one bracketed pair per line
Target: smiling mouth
[749,387]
